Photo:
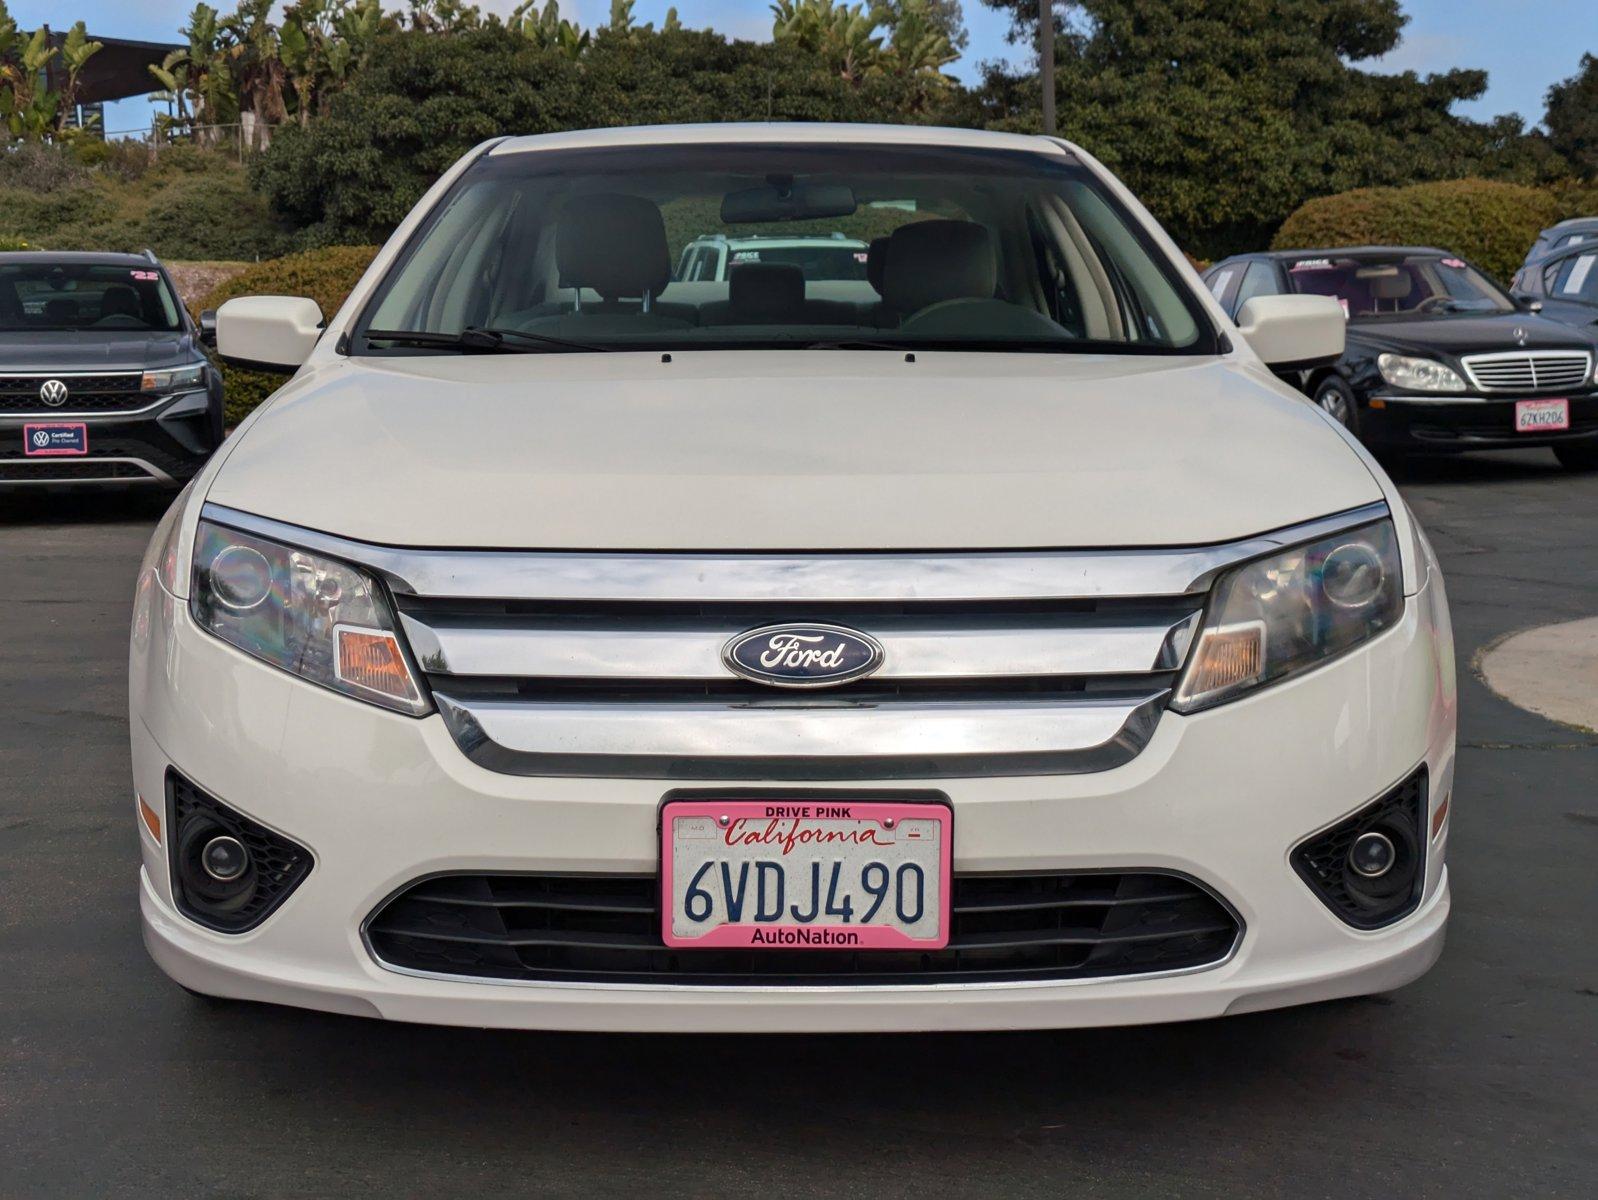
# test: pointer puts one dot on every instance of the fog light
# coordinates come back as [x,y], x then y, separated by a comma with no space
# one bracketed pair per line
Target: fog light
[224,858]
[1372,855]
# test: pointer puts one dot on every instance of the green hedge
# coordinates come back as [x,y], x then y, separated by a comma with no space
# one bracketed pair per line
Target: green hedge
[183,202]
[1492,224]
[326,276]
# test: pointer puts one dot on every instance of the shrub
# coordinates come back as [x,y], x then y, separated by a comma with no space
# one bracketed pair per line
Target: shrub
[1492,224]
[212,216]
[326,276]
[7,242]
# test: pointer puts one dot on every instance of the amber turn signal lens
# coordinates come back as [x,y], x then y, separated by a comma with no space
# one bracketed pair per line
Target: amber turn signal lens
[151,821]
[371,659]
[1228,656]
[1439,817]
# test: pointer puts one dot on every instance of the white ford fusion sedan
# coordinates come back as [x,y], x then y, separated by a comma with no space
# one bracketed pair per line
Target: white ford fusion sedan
[966,631]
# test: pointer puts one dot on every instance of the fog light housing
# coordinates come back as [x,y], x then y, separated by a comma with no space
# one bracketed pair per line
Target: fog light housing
[1370,868]
[228,872]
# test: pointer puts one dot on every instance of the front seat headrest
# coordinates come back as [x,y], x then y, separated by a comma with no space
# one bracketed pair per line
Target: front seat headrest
[1392,287]
[932,261]
[119,300]
[766,293]
[615,245]
[877,261]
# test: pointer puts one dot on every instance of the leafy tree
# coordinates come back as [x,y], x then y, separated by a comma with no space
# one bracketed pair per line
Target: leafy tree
[1225,116]
[845,37]
[423,100]
[1572,118]
[76,51]
[548,30]
[198,78]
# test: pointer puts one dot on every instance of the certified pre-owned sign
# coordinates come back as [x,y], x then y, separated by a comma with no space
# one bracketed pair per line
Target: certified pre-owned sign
[802,655]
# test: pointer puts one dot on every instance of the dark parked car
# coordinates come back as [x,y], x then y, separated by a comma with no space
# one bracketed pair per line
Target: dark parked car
[1565,283]
[103,378]
[1439,358]
[1562,236]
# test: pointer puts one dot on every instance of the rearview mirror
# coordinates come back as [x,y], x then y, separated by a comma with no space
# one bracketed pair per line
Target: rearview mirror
[208,327]
[267,333]
[1292,333]
[787,202]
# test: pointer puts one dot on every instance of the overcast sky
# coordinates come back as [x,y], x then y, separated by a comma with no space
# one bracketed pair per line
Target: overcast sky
[1524,45]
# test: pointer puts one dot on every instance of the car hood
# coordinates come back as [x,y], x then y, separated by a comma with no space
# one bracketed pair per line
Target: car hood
[94,350]
[1466,334]
[802,450]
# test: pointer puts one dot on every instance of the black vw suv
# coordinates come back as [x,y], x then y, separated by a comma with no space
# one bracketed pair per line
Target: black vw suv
[1439,358]
[102,375]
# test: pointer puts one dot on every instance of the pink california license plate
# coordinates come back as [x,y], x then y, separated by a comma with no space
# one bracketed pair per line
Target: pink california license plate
[1535,416]
[805,874]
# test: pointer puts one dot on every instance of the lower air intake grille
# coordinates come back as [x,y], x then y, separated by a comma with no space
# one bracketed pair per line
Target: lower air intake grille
[606,929]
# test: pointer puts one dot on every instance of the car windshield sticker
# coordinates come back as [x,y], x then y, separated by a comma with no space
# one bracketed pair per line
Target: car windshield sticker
[1457,263]
[1578,274]
[144,276]
[1218,284]
[1312,264]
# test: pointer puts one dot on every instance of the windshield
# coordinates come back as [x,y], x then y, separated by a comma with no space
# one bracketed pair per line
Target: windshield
[36,297]
[1403,286]
[660,247]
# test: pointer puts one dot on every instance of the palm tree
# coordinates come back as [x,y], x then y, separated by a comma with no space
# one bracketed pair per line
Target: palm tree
[253,56]
[844,36]
[76,51]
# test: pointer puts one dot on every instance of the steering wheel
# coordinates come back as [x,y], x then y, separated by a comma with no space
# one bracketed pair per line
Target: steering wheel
[1433,303]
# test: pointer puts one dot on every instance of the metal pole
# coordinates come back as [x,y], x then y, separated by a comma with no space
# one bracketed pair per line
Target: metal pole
[1046,61]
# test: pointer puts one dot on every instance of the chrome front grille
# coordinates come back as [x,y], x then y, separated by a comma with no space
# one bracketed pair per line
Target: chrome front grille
[610,664]
[1529,370]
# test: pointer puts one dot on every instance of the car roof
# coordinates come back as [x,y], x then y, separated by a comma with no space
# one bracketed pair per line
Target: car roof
[1345,252]
[1570,225]
[88,258]
[768,132]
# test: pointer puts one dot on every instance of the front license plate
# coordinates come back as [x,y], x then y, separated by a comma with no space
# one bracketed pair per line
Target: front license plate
[797,875]
[1536,416]
[48,439]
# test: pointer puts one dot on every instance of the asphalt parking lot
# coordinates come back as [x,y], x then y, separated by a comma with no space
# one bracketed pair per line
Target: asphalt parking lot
[1479,1080]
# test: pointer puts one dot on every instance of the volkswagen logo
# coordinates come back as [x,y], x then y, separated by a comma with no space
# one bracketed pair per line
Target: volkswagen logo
[53,392]
[802,656]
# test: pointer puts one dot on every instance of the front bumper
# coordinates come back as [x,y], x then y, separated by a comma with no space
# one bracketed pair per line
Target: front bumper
[1446,426]
[165,445]
[380,799]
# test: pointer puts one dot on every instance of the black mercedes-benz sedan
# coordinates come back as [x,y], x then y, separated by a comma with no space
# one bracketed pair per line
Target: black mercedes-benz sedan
[1439,358]
[103,378]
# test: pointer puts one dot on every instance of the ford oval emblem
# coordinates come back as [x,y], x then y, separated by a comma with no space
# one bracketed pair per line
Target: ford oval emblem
[802,656]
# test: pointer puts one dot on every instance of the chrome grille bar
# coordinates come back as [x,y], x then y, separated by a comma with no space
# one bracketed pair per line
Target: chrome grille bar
[988,647]
[1528,370]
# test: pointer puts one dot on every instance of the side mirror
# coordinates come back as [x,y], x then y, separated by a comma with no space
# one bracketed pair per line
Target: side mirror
[1529,303]
[267,333]
[208,327]
[1293,333]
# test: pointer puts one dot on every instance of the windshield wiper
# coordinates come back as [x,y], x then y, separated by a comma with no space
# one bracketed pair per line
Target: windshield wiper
[856,344]
[475,338]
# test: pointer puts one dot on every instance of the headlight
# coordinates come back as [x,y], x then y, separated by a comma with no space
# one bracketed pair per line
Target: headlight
[322,620]
[1276,616]
[1418,374]
[173,381]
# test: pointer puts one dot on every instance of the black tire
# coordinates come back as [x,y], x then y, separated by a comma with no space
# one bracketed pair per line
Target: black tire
[1577,458]
[1337,398]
